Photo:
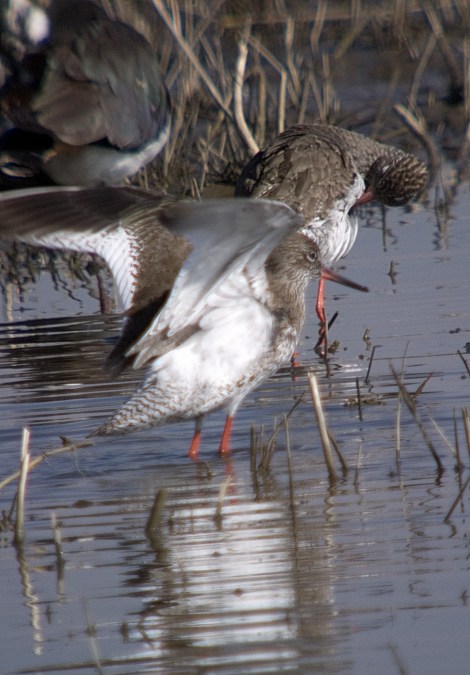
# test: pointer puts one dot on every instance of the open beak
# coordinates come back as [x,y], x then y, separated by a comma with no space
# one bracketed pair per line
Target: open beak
[329,275]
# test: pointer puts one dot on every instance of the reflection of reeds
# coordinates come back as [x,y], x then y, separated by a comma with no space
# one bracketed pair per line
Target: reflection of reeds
[457,499]
[21,267]
[220,500]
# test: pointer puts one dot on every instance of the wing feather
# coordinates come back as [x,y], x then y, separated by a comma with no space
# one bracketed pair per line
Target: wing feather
[86,220]
[231,240]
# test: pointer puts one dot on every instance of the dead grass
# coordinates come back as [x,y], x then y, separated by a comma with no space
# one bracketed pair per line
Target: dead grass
[240,72]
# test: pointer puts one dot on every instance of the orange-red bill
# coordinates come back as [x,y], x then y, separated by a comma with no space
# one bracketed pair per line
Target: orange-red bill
[366,197]
[329,275]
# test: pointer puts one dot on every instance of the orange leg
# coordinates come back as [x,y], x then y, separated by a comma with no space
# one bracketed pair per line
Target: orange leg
[293,360]
[320,306]
[194,448]
[323,330]
[224,447]
[320,309]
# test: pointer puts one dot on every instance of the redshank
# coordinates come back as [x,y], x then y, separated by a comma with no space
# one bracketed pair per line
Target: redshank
[228,276]
[84,95]
[322,172]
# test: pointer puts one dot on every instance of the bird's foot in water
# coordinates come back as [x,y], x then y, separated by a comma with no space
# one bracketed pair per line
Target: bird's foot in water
[322,348]
[293,360]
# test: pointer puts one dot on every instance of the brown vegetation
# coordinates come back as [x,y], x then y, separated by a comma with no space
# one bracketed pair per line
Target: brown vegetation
[240,72]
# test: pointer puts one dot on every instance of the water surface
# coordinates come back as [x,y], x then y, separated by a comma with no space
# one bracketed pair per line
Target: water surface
[297,575]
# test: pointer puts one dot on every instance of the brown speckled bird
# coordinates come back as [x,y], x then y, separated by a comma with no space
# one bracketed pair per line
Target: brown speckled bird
[84,96]
[322,172]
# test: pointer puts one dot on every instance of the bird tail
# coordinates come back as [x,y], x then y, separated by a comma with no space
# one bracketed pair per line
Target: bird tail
[149,406]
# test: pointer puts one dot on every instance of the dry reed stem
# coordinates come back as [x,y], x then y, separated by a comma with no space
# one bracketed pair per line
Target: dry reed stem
[317,96]
[281,118]
[189,52]
[325,440]
[349,37]
[453,450]
[330,103]
[339,455]
[464,360]
[420,69]
[459,464]
[456,438]
[20,500]
[267,449]
[267,54]
[238,91]
[366,379]
[318,24]
[257,446]
[359,401]
[303,103]
[417,124]
[45,455]
[261,120]
[440,34]
[280,68]
[392,273]
[295,88]
[410,404]
[466,426]
[292,504]
[419,390]
[385,104]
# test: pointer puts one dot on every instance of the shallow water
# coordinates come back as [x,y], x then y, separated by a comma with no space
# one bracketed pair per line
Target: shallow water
[297,575]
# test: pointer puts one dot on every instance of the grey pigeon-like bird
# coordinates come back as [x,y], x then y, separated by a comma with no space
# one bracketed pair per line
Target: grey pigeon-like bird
[83,94]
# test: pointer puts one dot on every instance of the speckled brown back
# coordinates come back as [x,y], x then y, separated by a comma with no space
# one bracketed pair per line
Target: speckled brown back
[310,167]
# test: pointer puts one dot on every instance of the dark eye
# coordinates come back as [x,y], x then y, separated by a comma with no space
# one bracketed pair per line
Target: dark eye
[312,257]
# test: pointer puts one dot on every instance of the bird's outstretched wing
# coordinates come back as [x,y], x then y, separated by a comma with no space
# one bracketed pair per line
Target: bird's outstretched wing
[119,224]
[231,240]
[188,258]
